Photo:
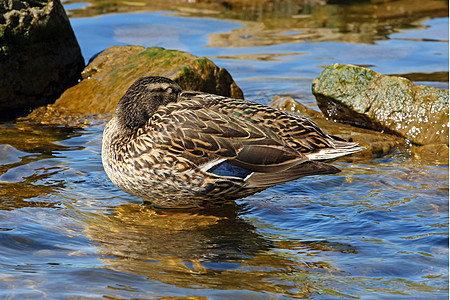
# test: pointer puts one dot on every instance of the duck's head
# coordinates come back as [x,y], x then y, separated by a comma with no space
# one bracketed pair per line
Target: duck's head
[142,99]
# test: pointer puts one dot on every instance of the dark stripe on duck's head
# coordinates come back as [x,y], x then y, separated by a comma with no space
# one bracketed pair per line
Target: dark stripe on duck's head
[142,99]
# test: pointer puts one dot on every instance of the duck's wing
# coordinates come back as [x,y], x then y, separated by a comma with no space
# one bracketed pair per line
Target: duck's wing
[208,138]
[297,131]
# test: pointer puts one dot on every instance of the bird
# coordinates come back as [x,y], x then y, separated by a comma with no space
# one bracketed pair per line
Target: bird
[188,149]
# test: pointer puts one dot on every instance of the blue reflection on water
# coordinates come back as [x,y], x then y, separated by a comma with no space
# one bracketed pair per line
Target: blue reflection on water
[146,29]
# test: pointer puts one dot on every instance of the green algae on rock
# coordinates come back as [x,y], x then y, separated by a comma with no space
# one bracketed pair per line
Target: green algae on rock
[392,104]
[39,55]
[112,72]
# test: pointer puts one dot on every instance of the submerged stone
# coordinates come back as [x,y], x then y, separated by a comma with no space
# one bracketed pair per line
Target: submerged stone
[111,73]
[39,55]
[392,104]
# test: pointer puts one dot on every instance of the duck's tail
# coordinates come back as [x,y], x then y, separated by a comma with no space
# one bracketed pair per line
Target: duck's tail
[341,148]
[308,168]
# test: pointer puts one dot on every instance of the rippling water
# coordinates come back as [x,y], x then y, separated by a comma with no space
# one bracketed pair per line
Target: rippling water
[377,230]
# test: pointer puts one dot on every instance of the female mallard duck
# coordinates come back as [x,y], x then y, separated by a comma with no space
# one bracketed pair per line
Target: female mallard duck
[180,150]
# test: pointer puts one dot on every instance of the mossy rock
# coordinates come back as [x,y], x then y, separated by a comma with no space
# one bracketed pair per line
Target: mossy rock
[111,73]
[392,104]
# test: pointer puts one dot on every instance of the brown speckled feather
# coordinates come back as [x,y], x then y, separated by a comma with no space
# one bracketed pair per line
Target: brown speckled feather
[194,128]
[296,131]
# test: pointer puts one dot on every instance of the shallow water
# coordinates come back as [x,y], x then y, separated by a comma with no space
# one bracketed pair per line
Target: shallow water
[378,230]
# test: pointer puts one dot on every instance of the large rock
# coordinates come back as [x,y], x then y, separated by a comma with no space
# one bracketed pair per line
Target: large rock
[111,73]
[39,55]
[390,104]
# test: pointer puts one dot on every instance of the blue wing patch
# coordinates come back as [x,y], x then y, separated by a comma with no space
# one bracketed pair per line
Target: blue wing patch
[226,169]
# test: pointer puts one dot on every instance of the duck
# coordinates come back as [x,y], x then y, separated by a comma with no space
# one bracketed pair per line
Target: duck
[189,149]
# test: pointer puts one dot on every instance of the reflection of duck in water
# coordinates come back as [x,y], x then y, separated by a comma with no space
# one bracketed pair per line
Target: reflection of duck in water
[179,149]
[209,249]
[174,247]
[217,234]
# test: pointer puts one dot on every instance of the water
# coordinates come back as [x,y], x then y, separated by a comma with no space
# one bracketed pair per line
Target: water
[378,230]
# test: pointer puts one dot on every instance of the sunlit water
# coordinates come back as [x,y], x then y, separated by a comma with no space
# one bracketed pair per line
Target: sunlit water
[377,230]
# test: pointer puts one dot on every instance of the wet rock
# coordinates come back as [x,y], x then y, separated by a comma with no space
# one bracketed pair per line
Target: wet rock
[390,104]
[377,144]
[39,55]
[111,73]
[437,154]
[289,104]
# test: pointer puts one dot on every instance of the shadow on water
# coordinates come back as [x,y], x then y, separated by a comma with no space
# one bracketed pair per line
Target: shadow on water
[214,249]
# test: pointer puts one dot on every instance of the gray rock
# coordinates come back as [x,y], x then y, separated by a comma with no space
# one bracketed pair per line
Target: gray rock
[391,104]
[39,55]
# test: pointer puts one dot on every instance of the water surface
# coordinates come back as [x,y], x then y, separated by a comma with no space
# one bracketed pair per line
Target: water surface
[378,230]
